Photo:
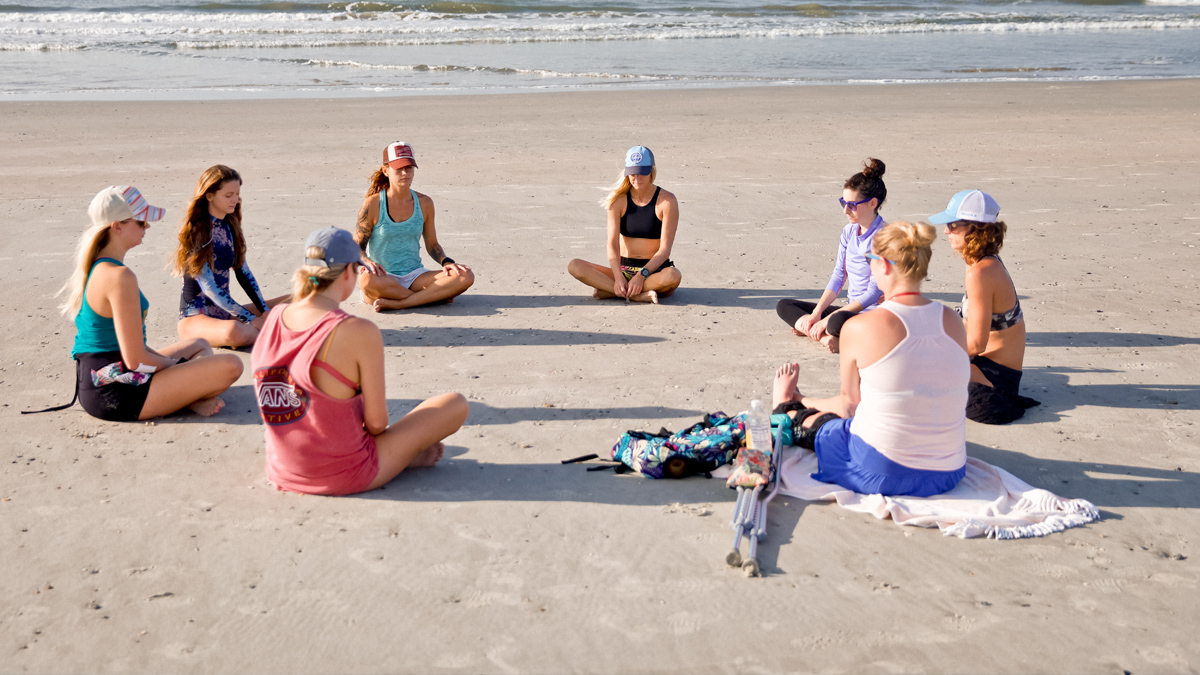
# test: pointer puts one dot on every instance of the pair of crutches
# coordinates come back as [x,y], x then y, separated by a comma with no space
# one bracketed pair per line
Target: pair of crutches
[750,514]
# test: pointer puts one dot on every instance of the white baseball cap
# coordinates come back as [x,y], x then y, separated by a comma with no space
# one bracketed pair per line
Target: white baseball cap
[968,205]
[117,203]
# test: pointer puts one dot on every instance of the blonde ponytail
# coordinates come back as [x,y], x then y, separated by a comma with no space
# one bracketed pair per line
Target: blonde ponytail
[93,239]
[311,279]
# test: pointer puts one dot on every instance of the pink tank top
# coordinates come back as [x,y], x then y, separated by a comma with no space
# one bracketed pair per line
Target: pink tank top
[316,443]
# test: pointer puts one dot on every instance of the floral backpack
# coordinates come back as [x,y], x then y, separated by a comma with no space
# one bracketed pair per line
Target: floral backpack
[697,449]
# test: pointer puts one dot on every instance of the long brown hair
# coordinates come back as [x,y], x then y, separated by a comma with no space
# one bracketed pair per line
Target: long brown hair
[195,235]
[378,182]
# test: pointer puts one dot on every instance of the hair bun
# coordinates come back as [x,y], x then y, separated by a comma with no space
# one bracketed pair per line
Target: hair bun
[873,168]
[924,234]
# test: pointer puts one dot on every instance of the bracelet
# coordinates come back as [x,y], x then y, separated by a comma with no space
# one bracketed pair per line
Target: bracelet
[446,261]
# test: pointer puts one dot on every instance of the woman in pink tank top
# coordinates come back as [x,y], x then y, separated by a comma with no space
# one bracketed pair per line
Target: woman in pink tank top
[319,377]
[898,426]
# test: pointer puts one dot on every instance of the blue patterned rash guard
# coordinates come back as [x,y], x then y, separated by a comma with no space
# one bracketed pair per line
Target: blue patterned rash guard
[208,293]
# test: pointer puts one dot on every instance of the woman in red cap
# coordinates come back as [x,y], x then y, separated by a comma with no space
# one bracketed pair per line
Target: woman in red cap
[391,222]
[642,218]
[119,377]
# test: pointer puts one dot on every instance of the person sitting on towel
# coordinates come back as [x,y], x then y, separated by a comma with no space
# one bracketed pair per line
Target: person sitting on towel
[898,426]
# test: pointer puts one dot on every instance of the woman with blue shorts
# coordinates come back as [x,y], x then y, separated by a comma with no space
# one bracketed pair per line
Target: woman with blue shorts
[898,426]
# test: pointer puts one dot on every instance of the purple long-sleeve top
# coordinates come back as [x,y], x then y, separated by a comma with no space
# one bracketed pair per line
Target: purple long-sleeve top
[852,264]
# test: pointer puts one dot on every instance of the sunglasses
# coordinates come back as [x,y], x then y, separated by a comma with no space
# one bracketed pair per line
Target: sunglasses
[872,256]
[853,205]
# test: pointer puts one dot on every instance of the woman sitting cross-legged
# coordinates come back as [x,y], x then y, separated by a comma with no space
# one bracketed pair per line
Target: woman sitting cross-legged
[392,221]
[319,376]
[995,323]
[642,219]
[898,427]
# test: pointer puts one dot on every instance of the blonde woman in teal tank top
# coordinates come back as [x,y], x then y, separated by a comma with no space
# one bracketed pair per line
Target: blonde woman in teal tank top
[118,376]
[392,221]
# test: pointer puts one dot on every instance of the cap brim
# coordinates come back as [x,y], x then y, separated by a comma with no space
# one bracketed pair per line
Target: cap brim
[638,170]
[942,218]
[403,161]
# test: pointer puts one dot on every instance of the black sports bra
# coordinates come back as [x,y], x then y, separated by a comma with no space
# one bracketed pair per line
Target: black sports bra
[641,222]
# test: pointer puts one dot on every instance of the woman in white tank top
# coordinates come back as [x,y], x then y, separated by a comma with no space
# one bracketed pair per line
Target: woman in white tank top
[898,427]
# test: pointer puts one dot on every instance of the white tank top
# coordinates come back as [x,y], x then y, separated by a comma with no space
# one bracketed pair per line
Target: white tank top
[914,400]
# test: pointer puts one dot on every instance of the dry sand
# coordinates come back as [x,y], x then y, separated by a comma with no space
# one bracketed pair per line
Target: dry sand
[161,547]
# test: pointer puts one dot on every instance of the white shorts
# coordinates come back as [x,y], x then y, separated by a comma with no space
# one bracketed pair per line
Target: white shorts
[406,280]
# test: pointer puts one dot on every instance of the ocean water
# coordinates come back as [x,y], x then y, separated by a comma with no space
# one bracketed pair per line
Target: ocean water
[182,49]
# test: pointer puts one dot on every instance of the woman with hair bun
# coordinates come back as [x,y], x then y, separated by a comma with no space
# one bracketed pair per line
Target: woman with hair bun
[211,247]
[995,323]
[319,376]
[898,427]
[863,194]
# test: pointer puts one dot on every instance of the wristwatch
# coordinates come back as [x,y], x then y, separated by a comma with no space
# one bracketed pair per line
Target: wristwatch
[645,273]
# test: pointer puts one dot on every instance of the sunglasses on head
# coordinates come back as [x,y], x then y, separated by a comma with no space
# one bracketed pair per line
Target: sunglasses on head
[853,205]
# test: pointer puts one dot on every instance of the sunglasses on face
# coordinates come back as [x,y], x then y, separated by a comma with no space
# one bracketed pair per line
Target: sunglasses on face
[872,256]
[853,205]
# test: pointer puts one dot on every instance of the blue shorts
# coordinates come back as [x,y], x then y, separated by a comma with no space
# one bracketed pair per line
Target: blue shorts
[850,462]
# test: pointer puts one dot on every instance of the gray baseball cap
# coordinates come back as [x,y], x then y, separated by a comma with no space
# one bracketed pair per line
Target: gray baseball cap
[339,245]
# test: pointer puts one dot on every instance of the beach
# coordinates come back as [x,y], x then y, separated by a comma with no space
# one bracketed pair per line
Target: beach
[161,547]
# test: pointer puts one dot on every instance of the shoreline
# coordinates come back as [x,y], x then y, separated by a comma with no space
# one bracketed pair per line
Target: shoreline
[160,547]
[246,95]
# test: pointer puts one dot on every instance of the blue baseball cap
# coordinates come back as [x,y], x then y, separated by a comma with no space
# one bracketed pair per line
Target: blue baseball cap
[638,161]
[339,245]
[968,205]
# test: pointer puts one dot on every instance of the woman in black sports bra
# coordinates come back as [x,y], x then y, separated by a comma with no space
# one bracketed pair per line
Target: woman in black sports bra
[641,230]
[990,309]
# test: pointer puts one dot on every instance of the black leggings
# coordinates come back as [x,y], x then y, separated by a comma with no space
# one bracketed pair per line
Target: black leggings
[791,311]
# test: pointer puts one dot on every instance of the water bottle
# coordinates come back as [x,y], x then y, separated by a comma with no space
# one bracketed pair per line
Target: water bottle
[758,427]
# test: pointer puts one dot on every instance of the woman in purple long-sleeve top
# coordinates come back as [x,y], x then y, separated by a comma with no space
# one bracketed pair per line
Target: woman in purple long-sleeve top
[862,196]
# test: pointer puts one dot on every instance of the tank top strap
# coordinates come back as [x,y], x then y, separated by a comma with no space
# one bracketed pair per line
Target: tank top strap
[918,320]
[312,341]
[384,216]
[416,214]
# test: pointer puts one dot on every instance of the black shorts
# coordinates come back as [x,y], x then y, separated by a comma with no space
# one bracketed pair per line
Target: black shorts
[632,266]
[999,403]
[116,402]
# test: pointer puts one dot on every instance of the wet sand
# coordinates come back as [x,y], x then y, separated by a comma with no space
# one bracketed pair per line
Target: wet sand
[161,547]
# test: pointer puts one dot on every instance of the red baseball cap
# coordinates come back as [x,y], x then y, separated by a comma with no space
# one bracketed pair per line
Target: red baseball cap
[399,154]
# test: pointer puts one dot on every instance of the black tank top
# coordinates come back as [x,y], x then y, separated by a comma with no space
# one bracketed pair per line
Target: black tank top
[641,222]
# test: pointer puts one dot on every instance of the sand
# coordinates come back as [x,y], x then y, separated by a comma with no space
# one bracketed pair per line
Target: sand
[160,547]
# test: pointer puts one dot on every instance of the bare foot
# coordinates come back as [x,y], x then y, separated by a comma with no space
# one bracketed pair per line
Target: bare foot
[785,385]
[382,304]
[429,456]
[799,333]
[645,296]
[207,407]
[830,342]
[602,295]
[653,296]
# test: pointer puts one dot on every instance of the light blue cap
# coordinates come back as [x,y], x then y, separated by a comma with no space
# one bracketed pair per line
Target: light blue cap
[638,161]
[968,205]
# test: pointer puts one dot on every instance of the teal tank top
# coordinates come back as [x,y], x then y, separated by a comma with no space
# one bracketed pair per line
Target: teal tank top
[95,333]
[394,245]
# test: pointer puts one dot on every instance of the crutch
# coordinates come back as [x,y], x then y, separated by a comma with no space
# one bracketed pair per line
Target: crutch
[750,514]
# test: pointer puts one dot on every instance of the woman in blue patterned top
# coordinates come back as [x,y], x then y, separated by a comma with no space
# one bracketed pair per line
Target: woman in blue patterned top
[211,247]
